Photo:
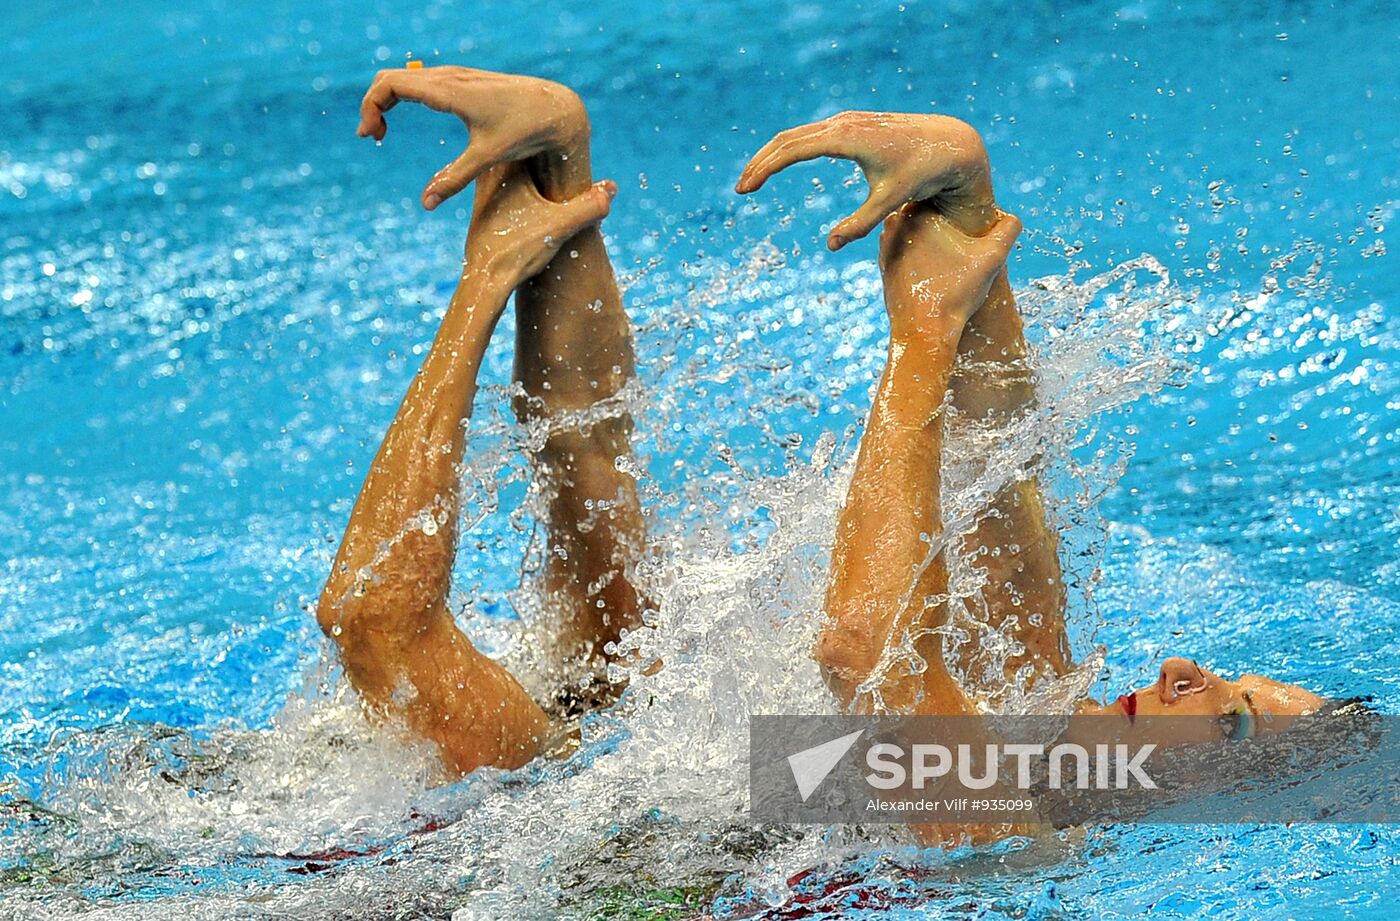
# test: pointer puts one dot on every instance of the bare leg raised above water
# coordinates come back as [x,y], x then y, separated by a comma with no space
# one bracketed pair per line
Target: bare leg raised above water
[941,163]
[887,594]
[573,352]
[888,588]
[573,342]
[385,603]
[881,645]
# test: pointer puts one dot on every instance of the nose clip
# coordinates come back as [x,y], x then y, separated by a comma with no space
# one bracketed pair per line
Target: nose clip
[1180,678]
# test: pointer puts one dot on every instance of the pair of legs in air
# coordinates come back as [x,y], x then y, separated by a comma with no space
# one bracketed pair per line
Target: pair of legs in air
[534,232]
[386,601]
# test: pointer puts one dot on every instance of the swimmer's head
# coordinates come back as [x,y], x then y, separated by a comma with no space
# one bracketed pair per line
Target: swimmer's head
[1243,707]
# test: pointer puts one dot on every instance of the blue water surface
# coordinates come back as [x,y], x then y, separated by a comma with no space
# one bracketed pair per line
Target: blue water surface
[212,296]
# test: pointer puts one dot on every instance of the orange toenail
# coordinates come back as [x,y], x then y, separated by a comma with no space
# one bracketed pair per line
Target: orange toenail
[415,65]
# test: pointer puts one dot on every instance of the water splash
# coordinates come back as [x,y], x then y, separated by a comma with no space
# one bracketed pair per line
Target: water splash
[656,795]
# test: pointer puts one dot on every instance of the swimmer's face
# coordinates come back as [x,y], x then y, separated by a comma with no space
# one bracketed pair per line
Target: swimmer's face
[1184,688]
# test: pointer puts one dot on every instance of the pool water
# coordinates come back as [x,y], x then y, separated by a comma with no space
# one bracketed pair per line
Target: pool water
[212,296]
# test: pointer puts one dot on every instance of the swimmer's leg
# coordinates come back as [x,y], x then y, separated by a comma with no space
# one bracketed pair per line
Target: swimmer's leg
[574,347]
[574,355]
[1013,542]
[943,161]
[385,603]
[881,645]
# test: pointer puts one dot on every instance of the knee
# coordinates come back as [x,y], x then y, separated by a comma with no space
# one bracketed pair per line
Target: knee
[845,654]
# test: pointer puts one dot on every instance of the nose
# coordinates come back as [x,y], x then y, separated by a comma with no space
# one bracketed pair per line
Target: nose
[1181,678]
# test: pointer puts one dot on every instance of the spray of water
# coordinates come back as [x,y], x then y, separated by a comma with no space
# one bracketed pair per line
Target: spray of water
[655,797]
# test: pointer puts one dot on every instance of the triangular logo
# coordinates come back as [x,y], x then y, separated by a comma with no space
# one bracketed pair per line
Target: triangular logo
[810,767]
